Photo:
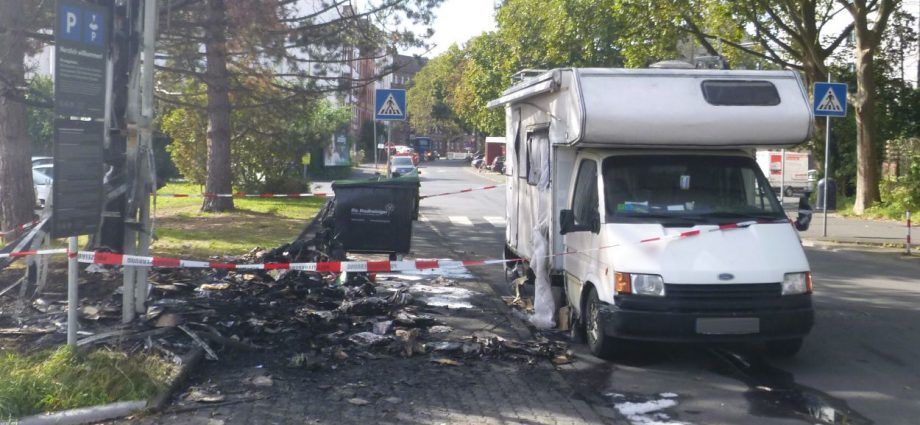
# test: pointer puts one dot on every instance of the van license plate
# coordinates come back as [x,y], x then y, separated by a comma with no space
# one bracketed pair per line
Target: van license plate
[728,325]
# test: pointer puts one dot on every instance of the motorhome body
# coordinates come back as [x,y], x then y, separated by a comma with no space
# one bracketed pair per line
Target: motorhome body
[637,191]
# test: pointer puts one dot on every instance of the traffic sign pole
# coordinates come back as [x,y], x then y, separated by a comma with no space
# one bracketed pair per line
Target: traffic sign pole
[374,144]
[827,155]
[830,100]
[827,162]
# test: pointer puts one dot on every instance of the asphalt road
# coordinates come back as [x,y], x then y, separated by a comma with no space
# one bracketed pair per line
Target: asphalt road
[859,365]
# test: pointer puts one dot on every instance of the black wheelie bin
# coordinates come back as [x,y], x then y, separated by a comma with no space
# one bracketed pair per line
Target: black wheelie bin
[375,216]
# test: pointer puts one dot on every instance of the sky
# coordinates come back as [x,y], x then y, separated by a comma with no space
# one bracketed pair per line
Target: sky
[458,21]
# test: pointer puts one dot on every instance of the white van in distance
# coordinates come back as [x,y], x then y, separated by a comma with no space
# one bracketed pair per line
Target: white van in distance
[637,190]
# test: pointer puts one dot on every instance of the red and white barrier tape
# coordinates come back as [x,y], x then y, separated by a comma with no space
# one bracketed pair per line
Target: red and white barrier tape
[461,191]
[20,228]
[40,252]
[295,195]
[245,195]
[113,259]
[721,228]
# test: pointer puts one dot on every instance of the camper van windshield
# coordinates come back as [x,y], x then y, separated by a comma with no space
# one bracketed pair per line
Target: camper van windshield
[696,188]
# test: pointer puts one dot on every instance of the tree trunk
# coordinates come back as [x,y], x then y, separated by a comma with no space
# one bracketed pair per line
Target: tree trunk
[17,196]
[867,167]
[219,172]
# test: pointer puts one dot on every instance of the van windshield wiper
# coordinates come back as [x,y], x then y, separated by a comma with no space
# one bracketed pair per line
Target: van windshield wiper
[665,220]
[723,214]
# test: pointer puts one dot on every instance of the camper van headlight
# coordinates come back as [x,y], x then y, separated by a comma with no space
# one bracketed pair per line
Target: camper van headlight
[647,284]
[796,283]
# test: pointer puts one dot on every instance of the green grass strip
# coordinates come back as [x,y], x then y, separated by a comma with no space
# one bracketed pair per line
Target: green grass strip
[66,379]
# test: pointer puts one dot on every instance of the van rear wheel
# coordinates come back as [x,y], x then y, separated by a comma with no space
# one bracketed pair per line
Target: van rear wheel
[599,343]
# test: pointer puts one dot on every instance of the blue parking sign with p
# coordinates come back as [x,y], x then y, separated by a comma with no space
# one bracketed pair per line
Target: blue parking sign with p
[69,22]
[81,23]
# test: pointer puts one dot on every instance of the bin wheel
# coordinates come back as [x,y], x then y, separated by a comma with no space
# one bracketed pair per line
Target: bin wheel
[393,256]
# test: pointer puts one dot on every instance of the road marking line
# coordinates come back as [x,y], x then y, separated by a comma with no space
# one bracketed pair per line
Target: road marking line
[465,221]
[496,221]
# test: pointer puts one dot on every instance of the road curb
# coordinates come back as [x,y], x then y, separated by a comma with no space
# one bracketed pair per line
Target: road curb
[852,244]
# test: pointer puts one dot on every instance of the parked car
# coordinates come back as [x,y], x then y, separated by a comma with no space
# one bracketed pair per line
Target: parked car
[406,151]
[401,165]
[42,160]
[41,182]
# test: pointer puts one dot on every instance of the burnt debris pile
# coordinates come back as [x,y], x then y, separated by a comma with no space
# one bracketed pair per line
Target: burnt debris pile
[305,319]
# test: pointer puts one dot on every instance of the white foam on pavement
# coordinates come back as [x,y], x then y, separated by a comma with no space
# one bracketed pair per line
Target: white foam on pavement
[443,296]
[647,412]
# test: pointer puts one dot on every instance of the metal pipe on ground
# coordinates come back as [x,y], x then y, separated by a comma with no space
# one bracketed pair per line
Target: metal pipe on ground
[86,415]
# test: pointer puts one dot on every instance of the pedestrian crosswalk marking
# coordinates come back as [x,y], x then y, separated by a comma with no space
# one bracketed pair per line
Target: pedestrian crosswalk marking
[465,221]
[390,107]
[830,102]
[495,221]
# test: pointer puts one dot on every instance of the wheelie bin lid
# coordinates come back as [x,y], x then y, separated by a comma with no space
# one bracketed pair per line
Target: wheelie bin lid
[405,180]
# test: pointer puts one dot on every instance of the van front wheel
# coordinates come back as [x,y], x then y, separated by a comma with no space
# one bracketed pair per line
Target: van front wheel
[600,344]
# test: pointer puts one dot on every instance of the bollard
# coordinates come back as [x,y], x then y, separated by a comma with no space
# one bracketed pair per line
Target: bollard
[908,232]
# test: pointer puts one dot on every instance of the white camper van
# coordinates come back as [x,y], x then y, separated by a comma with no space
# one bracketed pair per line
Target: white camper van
[637,190]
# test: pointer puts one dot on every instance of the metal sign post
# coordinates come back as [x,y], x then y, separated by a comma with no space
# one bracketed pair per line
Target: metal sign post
[80,88]
[376,148]
[830,100]
[72,295]
[827,162]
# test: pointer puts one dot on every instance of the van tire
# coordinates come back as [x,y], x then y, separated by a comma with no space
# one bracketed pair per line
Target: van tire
[789,192]
[598,342]
[783,348]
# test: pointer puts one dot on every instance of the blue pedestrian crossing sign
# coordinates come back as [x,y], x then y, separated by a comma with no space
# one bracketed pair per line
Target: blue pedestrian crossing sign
[390,105]
[830,100]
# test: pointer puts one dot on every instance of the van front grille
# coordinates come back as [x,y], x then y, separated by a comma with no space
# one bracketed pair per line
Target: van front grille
[734,291]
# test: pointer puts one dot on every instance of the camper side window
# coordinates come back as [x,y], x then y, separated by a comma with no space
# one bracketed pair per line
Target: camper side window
[537,155]
[585,200]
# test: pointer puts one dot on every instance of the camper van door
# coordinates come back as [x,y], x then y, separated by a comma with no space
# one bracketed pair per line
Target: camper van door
[585,206]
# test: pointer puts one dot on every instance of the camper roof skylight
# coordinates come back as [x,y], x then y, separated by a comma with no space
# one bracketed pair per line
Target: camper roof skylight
[740,93]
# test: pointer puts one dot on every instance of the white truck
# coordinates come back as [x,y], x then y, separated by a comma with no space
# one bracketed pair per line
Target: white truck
[637,191]
[789,176]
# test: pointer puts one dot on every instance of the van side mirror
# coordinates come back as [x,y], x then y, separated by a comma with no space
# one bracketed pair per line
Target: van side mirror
[804,218]
[567,223]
